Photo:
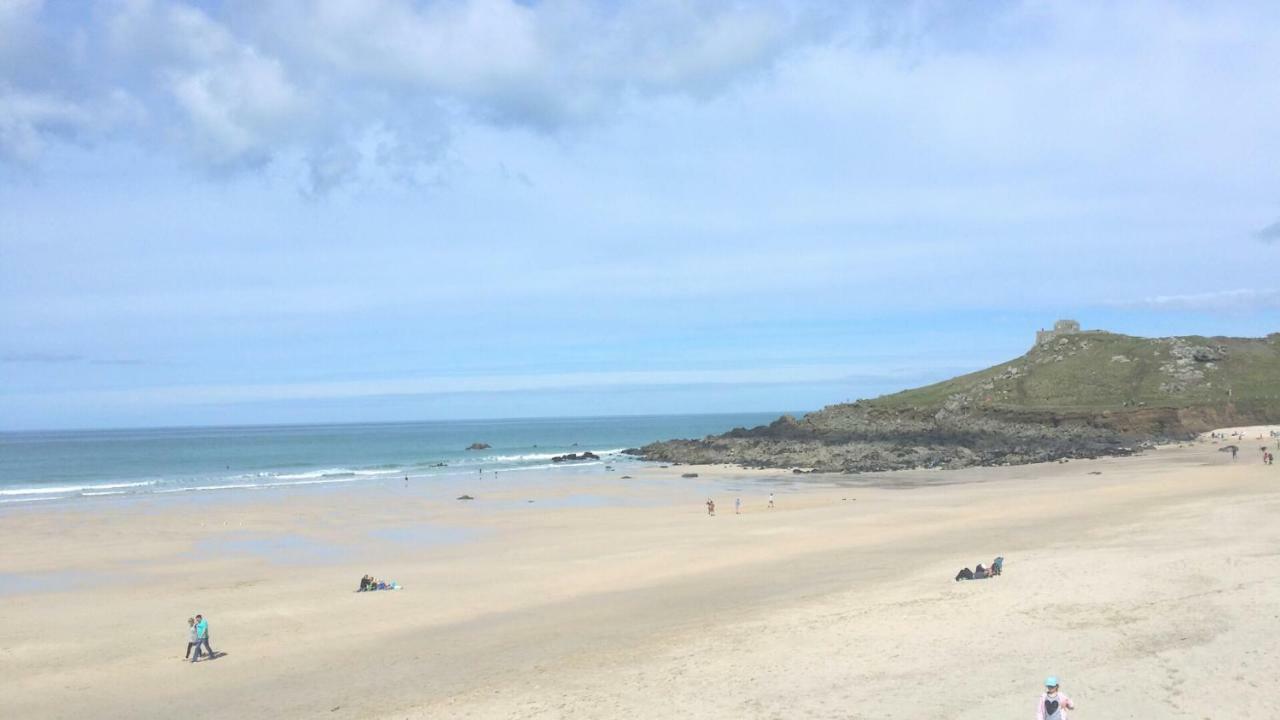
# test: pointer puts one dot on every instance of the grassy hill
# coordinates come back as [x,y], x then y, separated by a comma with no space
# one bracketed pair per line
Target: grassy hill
[1110,380]
[1074,394]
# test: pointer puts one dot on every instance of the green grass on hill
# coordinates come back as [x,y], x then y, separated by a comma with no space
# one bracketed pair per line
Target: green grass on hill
[1098,371]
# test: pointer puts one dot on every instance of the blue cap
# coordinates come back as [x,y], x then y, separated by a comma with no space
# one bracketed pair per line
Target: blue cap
[1051,681]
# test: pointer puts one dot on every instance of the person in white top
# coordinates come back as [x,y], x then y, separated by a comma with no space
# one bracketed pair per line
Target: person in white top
[770,499]
[1053,705]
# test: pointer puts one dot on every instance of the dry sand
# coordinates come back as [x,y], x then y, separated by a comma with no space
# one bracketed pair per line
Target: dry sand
[1148,584]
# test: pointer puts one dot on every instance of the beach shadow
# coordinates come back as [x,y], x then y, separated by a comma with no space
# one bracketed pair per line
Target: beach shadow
[207,658]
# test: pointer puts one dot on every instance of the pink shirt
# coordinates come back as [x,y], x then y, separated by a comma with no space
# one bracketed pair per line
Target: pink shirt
[1064,704]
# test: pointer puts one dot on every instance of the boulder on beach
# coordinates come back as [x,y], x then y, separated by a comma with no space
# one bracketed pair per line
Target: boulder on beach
[465,497]
[689,475]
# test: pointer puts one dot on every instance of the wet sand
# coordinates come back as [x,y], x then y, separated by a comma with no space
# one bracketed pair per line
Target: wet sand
[1147,583]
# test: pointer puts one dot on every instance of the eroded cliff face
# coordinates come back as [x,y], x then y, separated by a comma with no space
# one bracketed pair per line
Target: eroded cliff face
[1080,395]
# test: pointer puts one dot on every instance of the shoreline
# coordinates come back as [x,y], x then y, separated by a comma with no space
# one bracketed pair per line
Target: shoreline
[611,598]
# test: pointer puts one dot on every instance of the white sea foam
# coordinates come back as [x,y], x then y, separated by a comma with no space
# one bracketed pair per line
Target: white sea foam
[552,466]
[257,486]
[530,457]
[337,472]
[72,488]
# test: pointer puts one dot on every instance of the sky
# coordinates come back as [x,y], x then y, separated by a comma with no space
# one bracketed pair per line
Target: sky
[245,212]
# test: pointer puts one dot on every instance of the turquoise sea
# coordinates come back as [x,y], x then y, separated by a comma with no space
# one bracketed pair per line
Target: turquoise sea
[39,467]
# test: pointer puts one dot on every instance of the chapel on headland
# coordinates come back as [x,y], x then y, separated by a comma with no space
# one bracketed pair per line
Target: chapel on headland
[1060,328]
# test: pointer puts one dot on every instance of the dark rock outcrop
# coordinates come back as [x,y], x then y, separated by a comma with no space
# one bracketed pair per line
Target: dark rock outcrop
[575,457]
[479,446]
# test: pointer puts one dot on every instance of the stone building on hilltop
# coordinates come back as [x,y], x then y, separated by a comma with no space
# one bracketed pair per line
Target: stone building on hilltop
[1060,328]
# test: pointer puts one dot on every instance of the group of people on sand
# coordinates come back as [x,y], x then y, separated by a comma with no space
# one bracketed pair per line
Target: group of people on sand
[197,638]
[737,505]
[980,572]
[369,583]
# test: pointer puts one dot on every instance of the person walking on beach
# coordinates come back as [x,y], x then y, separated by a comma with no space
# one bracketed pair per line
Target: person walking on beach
[1053,705]
[192,638]
[737,506]
[770,501]
[711,507]
[202,635]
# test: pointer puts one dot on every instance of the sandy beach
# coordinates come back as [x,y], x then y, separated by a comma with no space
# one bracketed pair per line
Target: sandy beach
[1148,584]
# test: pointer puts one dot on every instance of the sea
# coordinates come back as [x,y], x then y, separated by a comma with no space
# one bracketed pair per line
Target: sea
[65,466]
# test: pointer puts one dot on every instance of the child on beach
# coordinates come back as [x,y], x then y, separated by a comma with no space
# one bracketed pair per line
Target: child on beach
[192,638]
[1053,705]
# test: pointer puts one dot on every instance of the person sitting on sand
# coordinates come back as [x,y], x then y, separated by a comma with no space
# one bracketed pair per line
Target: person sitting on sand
[980,573]
[1053,705]
[964,574]
[364,584]
[997,566]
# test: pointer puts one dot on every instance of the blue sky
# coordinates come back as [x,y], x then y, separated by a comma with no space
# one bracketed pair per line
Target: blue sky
[256,212]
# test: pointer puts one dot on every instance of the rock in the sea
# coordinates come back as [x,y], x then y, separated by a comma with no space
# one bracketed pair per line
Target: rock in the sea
[689,475]
[575,457]
[626,477]
[479,446]
[465,497]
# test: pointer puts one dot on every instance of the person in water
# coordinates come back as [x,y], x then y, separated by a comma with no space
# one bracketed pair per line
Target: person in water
[1053,705]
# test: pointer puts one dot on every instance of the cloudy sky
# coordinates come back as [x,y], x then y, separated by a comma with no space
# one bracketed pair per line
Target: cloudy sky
[256,211]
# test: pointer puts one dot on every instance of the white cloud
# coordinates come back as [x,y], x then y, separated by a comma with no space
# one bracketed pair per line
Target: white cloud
[1241,300]
[239,85]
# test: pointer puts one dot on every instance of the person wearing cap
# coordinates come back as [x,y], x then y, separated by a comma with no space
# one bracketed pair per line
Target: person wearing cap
[1053,705]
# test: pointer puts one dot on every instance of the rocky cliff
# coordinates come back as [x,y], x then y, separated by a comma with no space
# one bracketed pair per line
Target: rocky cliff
[1075,394]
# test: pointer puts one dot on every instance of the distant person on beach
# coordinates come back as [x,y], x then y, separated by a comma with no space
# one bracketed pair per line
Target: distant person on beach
[737,506]
[1053,705]
[770,501]
[1234,450]
[711,507]
[202,635]
[192,637]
